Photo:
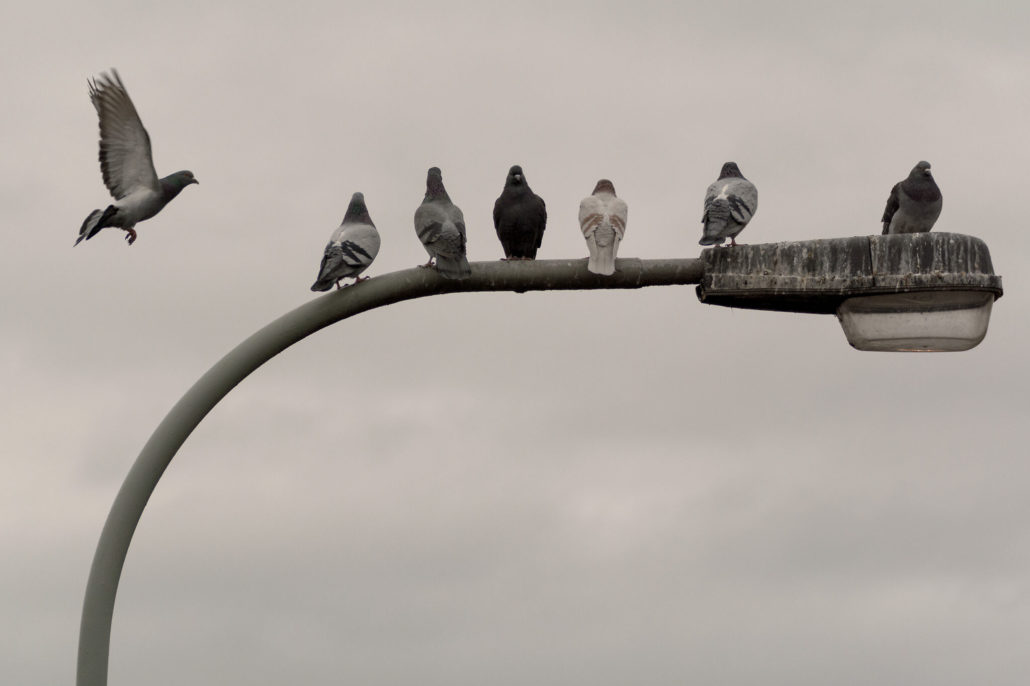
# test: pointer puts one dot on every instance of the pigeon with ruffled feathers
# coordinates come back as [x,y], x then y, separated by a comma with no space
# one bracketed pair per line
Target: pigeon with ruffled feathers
[730,203]
[914,204]
[602,218]
[126,164]
[441,228]
[351,248]
[520,218]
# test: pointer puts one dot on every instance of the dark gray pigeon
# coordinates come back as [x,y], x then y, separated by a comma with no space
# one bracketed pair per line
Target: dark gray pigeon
[914,204]
[520,217]
[126,163]
[351,248]
[730,203]
[441,228]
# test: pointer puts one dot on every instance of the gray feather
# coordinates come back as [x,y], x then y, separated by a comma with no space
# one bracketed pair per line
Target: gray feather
[914,204]
[730,203]
[126,163]
[440,227]
[351,249]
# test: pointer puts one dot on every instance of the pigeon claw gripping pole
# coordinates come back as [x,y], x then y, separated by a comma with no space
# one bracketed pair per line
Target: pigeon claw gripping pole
[248,356]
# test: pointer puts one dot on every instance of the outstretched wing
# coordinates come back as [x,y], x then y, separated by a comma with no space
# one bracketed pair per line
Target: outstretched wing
[125,158]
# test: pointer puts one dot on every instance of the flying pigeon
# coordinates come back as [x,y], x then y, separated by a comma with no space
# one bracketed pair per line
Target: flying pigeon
[351,248]
[441,228]
[602,217]
[126,163]
[520,217]
[730,203]
[914,204]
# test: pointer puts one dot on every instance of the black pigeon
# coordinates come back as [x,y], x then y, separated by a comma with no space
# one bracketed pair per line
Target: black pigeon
[519,217]
[914,204]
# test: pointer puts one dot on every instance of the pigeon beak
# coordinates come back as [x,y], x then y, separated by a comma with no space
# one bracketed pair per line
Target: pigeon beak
[517,177]
[194,180]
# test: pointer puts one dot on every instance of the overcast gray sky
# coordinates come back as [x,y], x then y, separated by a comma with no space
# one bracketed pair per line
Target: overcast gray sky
[595,488]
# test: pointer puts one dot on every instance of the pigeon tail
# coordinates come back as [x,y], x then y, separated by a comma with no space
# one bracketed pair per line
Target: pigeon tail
[453,267]
[605,246]
[323,284]
[602,262]
[716,219]
[96,220]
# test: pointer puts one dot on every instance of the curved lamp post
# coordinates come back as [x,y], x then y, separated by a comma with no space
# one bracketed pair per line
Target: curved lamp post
[809,276]
[171,433]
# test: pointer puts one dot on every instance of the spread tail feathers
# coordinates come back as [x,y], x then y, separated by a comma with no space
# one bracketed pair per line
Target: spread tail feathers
[96,220]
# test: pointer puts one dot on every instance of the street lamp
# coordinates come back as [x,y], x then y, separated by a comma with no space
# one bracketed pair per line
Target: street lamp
[810,276]
[940,321]
[925,292]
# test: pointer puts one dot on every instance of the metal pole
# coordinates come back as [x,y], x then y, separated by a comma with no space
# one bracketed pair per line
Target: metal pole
[171,433]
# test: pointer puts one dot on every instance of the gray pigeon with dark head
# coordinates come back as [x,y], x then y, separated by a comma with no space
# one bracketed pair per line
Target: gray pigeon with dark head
[520,217]
[351,248]
[914,204]
[441,228]
[602,218]
[126,164]
[730,203]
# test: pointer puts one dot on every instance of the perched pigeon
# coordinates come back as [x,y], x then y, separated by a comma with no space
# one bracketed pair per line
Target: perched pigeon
[441,228]
[914,204]
[126,164]
[519,217]
[351,248]
[602,217]
[730,203]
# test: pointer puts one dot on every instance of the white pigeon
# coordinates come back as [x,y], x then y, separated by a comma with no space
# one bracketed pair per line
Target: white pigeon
[730,203]
[126,164]
[602,218]
[440,226]
[914,204]
[351,248]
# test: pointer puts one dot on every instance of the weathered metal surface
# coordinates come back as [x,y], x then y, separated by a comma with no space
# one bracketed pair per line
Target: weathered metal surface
[816,276]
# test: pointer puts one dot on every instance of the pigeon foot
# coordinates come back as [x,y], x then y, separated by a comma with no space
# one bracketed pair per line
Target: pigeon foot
[130,235]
